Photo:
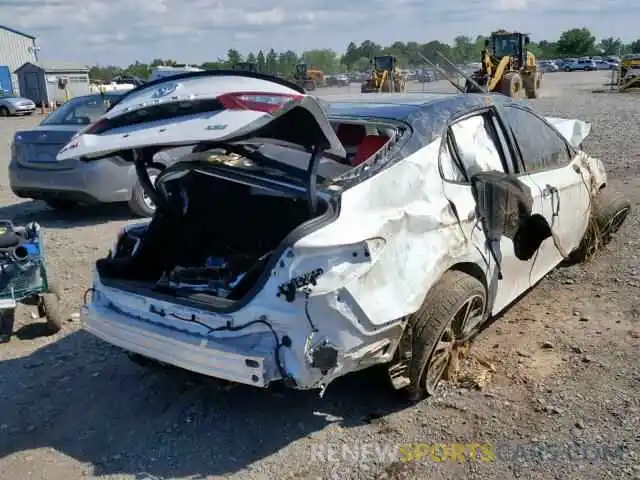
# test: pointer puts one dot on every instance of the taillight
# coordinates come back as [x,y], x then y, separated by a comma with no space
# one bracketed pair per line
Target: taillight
[96,128]
[258,101]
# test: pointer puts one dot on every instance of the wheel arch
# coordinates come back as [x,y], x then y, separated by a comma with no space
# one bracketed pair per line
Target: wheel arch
[472,269]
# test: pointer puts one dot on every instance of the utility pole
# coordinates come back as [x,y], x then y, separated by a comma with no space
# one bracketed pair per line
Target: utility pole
[35,49]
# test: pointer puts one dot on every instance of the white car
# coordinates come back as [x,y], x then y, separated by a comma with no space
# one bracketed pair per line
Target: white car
[305,239]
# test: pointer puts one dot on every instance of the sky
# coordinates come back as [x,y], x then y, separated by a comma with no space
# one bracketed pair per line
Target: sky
[119,32]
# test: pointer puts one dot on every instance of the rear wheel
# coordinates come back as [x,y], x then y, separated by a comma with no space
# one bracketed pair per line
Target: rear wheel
[608,214]
[450,317]
[4,112]
[140,203]
[511,84]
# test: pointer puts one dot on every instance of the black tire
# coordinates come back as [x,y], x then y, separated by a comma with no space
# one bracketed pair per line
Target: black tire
[4,112]
[511,84]
[7,320]
[435,320]
[61,205]
[139,204]
[531,86]
[52,309]
[609,213]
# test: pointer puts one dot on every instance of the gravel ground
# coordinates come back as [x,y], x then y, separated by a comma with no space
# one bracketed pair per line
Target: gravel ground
[559,370]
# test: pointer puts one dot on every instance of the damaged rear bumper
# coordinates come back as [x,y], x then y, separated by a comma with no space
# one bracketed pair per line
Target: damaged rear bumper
[187,350]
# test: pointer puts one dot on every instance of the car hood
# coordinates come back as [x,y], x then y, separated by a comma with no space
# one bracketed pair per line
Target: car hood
[212,108]
[16,100]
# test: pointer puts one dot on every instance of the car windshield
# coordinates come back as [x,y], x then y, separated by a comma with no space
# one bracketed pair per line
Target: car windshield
[81,110]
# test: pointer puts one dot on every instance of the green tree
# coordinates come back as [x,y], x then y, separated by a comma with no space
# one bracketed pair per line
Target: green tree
[361,64]
[610,46]
[325,59]
[272,62]
[576,42]
[463,49]
[351,55]
[369,49]
[233,57]
[287,62]
[261,61]
[251,58]
[634,47]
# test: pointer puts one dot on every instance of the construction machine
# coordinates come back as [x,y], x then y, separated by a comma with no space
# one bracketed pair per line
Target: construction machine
[628,73]
[507,66]
[385,76]
[246,66]
[308,78]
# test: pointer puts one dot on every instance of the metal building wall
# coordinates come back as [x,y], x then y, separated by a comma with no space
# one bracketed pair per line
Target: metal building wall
[14,52]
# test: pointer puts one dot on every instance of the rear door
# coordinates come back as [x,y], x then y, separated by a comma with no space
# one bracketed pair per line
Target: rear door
[209,107]
[552,164]
[477,143]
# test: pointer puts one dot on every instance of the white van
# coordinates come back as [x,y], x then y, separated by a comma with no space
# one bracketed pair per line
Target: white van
[163,71]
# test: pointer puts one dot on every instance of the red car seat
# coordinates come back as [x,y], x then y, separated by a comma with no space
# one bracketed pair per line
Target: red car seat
[369,145]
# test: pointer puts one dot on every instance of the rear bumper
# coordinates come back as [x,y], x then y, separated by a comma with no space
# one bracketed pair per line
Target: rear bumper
[101,181]
[192,352]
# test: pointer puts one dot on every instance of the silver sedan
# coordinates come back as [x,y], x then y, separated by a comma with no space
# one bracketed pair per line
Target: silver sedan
[12,105]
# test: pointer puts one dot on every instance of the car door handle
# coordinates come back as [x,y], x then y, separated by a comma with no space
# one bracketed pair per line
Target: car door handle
[547,191]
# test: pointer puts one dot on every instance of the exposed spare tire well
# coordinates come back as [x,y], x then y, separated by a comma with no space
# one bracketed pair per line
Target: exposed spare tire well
[215,231]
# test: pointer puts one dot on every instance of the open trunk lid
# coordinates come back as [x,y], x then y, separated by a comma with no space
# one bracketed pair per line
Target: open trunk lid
[212,107]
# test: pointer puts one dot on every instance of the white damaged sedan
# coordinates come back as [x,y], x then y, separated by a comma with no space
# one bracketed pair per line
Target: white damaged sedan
[305,239]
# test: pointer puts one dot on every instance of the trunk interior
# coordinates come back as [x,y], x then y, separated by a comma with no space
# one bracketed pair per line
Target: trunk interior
[216,239]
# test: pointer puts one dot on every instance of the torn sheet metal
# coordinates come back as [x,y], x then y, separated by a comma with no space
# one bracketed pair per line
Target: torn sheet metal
[575,131]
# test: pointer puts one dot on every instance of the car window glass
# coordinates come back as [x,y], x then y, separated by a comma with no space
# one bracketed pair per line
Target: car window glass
[540,145]
[476,149]
[80,110]
[449,169]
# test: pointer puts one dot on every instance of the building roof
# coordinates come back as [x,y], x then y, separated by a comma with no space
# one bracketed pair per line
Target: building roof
[18,32]
[57,67]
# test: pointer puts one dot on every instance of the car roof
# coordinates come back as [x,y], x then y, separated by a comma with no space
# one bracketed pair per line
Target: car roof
[403,106]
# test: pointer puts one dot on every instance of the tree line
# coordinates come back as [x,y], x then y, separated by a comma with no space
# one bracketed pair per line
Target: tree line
[577,42]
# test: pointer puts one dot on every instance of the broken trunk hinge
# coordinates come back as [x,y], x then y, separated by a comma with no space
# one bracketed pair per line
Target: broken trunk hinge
[312,175]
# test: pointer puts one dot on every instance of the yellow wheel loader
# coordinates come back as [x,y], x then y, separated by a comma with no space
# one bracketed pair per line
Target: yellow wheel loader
[308,78]
[628,74]
[507,66]
[385,76]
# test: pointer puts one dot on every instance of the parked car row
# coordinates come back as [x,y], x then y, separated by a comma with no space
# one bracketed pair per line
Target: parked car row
[577,64]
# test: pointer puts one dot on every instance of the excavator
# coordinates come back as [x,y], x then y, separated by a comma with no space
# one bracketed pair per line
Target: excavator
[308,78]
[507,66]
[385,76]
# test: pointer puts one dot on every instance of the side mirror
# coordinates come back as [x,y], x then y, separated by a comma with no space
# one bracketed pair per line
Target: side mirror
[527,40]
[486,43]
